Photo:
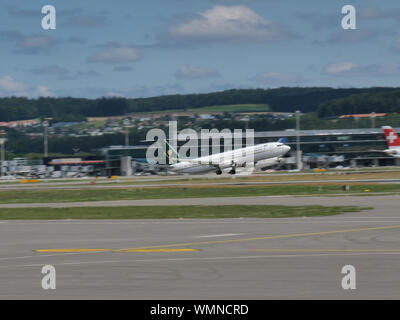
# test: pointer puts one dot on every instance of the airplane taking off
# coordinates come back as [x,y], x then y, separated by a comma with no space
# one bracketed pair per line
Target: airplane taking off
[393,142]
[261,155]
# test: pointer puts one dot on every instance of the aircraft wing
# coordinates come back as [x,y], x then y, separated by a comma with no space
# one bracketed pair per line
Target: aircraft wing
[221,165]
[202,162]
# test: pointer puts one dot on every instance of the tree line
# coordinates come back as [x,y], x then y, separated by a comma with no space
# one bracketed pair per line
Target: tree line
[327,101]
[384,102]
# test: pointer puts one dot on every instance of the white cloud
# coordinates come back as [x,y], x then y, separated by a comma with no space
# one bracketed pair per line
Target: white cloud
[373,70]
[227,23]
[43,91]
[116,94]
[9,85]
[115,55]
[338,68]
[29,44]
[194,72]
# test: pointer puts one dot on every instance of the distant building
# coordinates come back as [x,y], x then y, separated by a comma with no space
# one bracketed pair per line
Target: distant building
[20,123]
[206,116]
[64,124]
[362,115]
[357,147]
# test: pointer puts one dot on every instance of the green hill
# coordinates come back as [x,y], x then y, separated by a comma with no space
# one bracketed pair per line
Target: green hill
[381,102]
[233,108]
[279,100]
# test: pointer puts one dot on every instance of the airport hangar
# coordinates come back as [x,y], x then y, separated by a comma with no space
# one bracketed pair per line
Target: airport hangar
[319,148]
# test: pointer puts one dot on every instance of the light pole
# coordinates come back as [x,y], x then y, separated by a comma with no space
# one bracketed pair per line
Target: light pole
[3,153]
[45,142]
[246,122]
[127,125]
[298,151]
[373,116]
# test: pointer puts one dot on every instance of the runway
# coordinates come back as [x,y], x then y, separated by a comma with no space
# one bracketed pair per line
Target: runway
[292,258]
[125,185]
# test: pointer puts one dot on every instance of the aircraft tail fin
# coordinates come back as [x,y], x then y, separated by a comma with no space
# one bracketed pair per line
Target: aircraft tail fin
[282,140]
[391,137]
[172,154]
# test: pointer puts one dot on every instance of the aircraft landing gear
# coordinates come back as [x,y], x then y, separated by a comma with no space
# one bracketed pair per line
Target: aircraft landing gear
[233,171]
[218,172]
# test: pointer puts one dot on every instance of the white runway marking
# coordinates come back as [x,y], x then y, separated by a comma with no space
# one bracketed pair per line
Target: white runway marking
[45,255]
[220,235]
[203,259]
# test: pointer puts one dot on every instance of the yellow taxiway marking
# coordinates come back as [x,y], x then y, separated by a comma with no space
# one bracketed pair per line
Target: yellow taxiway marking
[71,250]
[282,236]
[156,250]
[112,250]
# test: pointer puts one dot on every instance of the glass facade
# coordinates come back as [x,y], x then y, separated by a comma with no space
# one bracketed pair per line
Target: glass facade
[362,145]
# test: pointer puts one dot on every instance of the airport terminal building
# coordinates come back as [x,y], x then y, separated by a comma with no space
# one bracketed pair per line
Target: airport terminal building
[327,148]
[319,148]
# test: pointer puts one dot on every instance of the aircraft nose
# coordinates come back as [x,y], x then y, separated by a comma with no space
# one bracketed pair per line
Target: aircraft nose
[287,148]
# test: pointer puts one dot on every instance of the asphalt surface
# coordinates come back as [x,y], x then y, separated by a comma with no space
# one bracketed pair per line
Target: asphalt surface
[295,258]
[117,185]
[383,202]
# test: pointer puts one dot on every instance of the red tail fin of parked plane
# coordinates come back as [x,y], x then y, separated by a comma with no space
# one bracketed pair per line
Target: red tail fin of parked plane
[392,138]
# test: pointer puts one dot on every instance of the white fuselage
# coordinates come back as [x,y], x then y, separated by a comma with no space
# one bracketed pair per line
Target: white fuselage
[231,159]
[393,151]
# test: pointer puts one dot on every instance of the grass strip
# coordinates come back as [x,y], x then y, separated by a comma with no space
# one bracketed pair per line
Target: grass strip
[59,195]
[175,212]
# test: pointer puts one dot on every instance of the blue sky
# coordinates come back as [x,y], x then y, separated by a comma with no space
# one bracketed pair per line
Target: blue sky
[146,48]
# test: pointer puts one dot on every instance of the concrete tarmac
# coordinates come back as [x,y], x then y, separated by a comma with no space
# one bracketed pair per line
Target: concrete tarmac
[124,185]
[292,258]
